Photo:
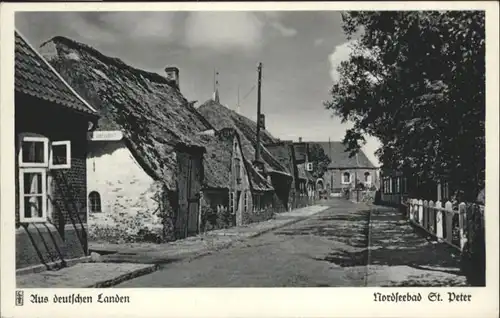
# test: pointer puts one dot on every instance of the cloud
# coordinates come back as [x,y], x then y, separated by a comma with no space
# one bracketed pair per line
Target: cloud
[340,53]
[283,30]
[98,28]
[145,24]
[319,42]
[223,30]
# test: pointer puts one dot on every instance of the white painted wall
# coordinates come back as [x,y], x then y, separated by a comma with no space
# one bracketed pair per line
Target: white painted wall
[124,187]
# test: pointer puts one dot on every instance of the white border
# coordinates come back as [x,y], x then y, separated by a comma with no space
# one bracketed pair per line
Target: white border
[258,302]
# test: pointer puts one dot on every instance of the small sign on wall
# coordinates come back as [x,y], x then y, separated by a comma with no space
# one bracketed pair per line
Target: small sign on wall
[105,135]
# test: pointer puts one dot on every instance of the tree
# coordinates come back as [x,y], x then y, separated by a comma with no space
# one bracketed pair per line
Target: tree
[416,81]
[319,160]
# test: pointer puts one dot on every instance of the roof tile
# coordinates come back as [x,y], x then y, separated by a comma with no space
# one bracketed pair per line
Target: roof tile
[35,77]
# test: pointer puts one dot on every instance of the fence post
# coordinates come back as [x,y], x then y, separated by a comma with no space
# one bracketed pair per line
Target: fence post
[415,210]
[420,211]
[448,206]
[431,219]
[410,209]
[439,220]
[462,210]
[425,220]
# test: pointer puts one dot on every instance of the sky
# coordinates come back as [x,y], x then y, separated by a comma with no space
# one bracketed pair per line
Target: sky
[299,52]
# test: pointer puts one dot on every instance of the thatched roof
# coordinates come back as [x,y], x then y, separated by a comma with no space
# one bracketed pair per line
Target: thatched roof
[257,181]
[221,117]
[152,113]
[283,152]
[217,162]
[304,174]
[340,159]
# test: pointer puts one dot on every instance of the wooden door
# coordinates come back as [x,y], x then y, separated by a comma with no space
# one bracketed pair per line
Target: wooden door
[238,208]
[182,182]
[193,194]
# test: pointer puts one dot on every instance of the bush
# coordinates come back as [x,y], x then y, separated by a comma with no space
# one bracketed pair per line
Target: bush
[147,235]
[473,256]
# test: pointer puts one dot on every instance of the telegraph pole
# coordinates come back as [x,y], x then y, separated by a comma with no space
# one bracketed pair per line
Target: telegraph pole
[259,82]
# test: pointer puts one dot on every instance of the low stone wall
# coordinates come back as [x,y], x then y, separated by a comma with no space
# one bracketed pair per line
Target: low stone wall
[42,243]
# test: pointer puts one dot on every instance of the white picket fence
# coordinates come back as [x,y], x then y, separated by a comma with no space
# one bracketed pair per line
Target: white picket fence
[437,218]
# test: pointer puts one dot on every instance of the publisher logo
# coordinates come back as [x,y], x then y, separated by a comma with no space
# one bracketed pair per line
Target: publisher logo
[19,298]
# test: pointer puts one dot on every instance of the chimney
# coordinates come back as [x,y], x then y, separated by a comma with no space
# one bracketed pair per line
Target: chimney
[300,139]
[173,74]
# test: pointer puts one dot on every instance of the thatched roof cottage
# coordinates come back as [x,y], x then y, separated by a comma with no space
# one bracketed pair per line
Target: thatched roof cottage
[145,170]
[230,184]
[221,117]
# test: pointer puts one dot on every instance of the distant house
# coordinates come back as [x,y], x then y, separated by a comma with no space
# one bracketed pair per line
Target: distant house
[284,152]
[344,171]
[230,194]
[281,178]
[51,125]
[145,168]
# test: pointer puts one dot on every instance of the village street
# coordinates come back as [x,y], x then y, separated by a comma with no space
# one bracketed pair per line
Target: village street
[326,250]
[308,253]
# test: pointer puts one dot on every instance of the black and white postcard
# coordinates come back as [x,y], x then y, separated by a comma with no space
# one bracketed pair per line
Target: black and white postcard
[249,159]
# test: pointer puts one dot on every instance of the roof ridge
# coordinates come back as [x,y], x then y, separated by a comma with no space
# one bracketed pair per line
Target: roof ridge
[108,59]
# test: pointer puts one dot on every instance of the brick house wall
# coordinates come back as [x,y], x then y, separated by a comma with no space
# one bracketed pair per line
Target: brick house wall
[129,197]
[336,176]
[64,235]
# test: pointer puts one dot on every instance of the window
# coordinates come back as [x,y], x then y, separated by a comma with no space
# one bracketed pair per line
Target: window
[346,178]
[245,201]
[231,202]
[255,202]
[34,152]
[95,202]
[368,178]
[237,168]
[60,155]
[398,188]
[33,195]
[36,159]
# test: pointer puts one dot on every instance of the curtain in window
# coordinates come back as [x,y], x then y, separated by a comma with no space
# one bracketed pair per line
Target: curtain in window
[33,195]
